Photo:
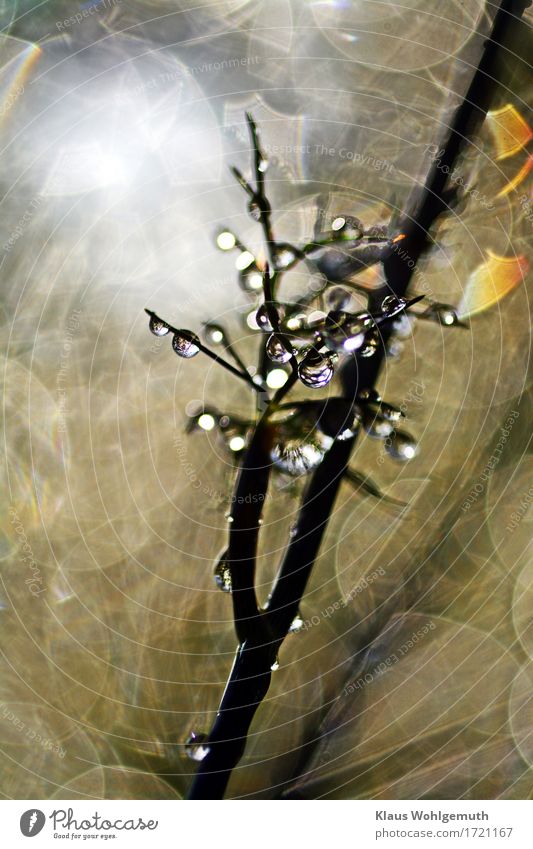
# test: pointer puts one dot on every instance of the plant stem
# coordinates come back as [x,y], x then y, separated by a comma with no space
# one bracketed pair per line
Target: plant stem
[262,632]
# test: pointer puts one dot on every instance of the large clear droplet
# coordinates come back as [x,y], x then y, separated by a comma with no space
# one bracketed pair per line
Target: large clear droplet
[299,444]
[401,446]
[195,747]
[222,574]
[185,344]
[277,349]
[316,370]
[158,327]
[392,305]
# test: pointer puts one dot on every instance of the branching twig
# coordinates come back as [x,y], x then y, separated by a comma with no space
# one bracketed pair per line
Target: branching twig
[261,632]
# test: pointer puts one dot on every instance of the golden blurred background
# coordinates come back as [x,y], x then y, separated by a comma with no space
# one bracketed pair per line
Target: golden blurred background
[412,675]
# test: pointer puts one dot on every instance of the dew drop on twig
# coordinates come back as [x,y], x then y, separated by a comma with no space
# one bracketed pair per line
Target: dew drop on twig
[401,446]
[185,344]
[316,370]
[222,574]
[195,747]
[296,624]
[263,316]
[158,327]
[277,349]
[251,279]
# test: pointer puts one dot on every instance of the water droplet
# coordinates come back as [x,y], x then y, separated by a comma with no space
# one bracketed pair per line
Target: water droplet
[254,210]
[347,332]
[316,370]
[214,334]
[299,444]
[276,378]
[236,444]
[222,573]
[263,164]
[369,396]
[244,259]
[389,412]
[277,349]
[283,256]
[347,228]
[251,278]
[185,344]
[158,327]
[226,240]
[262,316]
[378,427]
[195,747]
[444,314]
[206,421]
[371,344]
[229,518]
[401,446]
[296,624]
[391,305]
[294,322]
[275,665]
[448,317]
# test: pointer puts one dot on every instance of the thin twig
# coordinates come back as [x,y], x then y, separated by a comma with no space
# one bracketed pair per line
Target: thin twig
[243,375]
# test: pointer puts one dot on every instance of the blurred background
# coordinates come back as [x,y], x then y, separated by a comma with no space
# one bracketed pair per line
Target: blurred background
[412,674]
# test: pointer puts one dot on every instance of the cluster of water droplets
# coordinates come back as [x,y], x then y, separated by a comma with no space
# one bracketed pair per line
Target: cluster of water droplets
[320,339]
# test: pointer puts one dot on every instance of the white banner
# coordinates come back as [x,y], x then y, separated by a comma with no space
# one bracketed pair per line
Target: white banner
[272,825]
